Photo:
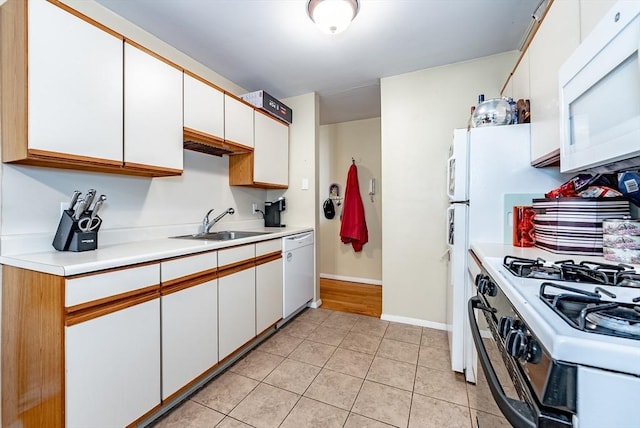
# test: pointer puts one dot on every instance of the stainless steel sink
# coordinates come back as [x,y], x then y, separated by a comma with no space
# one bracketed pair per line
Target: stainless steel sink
[226,235]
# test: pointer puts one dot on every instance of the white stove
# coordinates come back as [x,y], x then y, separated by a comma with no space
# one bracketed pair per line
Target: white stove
[564,376]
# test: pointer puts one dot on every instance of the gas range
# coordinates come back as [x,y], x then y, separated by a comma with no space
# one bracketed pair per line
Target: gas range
[534,299]
[547,323]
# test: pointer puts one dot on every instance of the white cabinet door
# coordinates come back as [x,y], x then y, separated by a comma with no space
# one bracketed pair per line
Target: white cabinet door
[555,40]
[238,121]
[153,111]
[271,152]
[268,294]
[236,310]
[75,85]
[112,366]
[591,12]
[203,107]
[189,335]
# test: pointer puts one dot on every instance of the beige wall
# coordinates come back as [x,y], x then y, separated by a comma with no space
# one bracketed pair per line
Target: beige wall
[338,144]
[419,112]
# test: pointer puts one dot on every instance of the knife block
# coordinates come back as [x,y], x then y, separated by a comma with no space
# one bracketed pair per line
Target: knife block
[69,237]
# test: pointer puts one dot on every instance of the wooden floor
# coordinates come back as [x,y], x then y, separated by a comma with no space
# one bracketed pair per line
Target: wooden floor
[354,297]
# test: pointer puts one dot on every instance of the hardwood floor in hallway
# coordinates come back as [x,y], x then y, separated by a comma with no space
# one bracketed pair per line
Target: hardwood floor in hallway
[353,297]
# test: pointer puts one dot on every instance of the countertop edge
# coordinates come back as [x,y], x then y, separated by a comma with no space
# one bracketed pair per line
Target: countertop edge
[132,253]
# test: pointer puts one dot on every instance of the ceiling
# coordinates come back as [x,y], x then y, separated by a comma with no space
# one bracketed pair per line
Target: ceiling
[274,46]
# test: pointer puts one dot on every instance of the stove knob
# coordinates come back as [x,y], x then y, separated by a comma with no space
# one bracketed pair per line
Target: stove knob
[505,325]
[479,277]
[486,286]
[516,343]
[534,353]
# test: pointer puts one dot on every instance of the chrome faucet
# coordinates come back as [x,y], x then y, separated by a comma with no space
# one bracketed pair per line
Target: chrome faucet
[208,224]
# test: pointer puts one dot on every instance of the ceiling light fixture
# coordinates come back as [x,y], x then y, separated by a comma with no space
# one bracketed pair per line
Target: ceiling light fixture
[332,16]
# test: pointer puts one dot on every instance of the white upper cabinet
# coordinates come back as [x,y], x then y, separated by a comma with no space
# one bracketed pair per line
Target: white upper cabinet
[238,121]
[591,12]
[555,40]
[74,85]
[203,107]
[153,111]
[271,152]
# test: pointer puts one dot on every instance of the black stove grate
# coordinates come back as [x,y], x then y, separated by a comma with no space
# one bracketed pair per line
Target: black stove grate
[568,270]
[585,311]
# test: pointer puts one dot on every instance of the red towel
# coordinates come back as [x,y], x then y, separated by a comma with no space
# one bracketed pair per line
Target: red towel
[354,227]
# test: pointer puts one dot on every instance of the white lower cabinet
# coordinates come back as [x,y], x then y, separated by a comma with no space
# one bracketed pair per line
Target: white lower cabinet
[236,310]
[268,294]
[189,335]
[268,283]
[112,366]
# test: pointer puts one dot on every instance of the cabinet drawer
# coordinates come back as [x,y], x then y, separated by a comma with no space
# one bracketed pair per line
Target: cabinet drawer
[267,247]
[187,266]
[235,255]
[93,287]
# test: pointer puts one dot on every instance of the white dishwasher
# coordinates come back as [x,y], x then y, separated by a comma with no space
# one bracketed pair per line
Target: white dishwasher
[298,281]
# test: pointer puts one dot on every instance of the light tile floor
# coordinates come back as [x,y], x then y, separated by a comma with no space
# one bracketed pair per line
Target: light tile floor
[335,369]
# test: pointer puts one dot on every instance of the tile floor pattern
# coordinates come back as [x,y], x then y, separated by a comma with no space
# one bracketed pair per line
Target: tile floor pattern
[336,369]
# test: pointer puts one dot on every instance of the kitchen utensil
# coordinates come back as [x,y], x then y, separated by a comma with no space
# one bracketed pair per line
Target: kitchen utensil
[89,224]
[496,111]
[97,205]
[91,194]
[74,199]
[80,207]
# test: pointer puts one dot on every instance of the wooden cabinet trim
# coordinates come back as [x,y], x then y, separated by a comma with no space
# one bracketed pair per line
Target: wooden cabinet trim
[185,282]
[85,18]
[62,157]
[13,34]
[32,348]
[270,116]
[206,143]
[550,159]
[160,171]
[232,268]
[266,258]
[525,47]
[101,307]
[153,54]
[203,80]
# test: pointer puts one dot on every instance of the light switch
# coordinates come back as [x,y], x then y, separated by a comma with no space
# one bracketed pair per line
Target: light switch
[305,184]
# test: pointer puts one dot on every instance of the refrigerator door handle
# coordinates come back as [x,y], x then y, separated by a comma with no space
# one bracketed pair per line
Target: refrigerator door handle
[450,224]
[450,179]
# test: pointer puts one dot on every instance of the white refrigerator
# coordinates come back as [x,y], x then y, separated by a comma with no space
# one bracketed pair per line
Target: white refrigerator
[485,164]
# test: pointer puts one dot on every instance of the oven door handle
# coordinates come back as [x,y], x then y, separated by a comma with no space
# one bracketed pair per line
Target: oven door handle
[517,412]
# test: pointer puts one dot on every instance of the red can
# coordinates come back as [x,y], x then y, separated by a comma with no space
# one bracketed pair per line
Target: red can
[523,231]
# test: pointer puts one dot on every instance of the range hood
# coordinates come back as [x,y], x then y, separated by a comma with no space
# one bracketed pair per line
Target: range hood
[205,143]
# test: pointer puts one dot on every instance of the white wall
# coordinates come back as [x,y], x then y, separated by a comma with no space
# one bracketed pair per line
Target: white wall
[339,143]
[419,112]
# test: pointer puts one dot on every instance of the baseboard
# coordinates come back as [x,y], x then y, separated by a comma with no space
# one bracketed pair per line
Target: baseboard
[315,304]
[351,279]
[414,321]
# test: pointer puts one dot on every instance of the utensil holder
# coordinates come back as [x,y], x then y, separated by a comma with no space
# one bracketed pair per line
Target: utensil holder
[69,237]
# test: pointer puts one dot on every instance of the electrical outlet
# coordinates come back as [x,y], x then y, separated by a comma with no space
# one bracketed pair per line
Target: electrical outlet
[254,208]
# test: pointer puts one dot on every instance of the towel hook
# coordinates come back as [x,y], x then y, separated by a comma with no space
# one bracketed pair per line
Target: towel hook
[353,161]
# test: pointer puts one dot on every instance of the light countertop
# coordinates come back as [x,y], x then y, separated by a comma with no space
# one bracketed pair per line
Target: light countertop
[67,263]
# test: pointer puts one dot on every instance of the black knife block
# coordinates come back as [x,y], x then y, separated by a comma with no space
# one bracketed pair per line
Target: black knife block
[69,237]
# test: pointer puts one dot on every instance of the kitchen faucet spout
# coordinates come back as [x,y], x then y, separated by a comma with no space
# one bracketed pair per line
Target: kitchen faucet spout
[208,224]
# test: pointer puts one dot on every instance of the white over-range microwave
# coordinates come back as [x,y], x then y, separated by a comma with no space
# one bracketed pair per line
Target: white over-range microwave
[600,96]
